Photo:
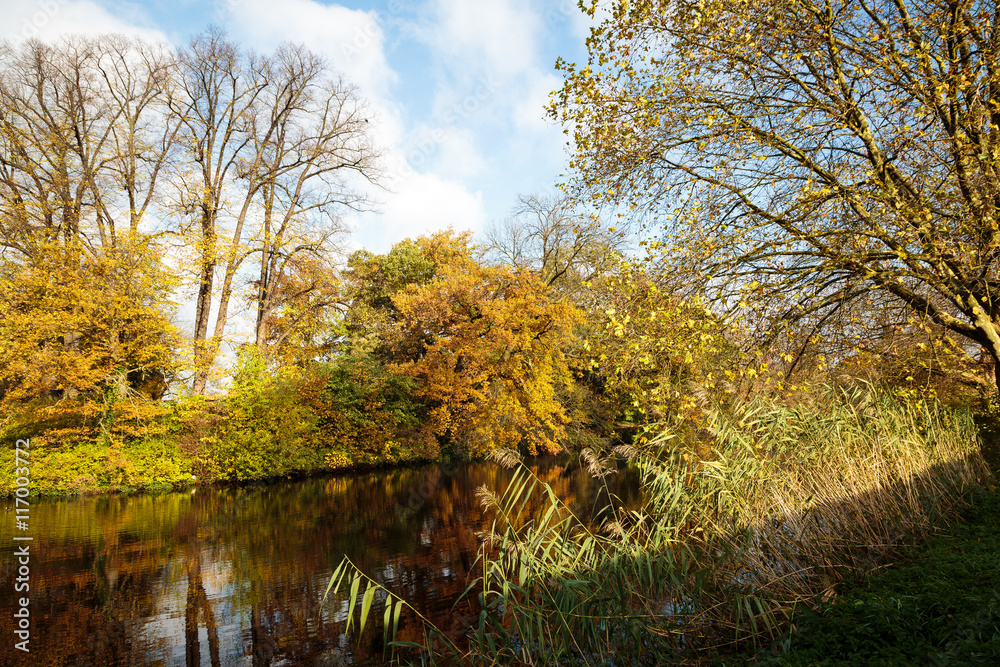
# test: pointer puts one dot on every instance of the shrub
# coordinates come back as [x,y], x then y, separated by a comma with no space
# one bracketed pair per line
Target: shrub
[366,414]
[266,429]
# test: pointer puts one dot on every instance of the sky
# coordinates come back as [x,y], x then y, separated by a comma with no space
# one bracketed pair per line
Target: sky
[456,87]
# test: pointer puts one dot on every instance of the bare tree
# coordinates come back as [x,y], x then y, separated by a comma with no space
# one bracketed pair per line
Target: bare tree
[307,185]
[85,137]
[220,92]
[545,234]
[271,137]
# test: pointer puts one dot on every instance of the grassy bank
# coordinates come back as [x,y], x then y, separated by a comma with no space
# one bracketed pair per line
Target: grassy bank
[937,604]
[78,448]
[771,510]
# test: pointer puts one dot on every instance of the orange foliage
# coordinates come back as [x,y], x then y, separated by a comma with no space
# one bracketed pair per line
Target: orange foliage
[491,350]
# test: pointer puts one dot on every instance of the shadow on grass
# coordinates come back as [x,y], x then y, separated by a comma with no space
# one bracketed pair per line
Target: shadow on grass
[938,605]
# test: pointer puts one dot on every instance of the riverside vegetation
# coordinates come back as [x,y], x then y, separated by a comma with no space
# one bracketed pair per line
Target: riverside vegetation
[792,505]
[768,284]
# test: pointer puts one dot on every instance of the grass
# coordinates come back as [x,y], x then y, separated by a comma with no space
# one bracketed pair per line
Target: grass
[773,510]
[939,604]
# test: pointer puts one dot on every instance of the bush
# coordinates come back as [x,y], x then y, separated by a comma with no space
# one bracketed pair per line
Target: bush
[366,414]
[76,447]
[266,430]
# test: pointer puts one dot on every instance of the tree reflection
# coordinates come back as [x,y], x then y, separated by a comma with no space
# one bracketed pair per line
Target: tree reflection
[197,601]
[236,575]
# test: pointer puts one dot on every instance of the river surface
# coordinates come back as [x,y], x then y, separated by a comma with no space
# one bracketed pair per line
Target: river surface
[236,576]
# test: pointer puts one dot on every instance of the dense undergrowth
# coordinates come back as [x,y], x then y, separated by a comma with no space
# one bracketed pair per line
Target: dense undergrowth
[781,509]
[333,417]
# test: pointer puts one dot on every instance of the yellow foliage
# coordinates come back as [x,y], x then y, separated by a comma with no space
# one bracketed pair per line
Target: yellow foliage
[655,350]
[491,343]
[72,323]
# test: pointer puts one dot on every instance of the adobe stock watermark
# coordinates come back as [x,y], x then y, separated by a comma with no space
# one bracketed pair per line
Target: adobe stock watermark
[560,12]
[22,554]
[419,155]
[226,6]
[41,14]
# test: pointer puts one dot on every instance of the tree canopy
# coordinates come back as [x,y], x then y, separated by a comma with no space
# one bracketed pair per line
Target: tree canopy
[814,152]
[73,324]
[485,343]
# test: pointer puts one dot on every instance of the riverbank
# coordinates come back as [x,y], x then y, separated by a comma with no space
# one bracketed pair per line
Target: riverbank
[148,466]
[937,604]
[76,449]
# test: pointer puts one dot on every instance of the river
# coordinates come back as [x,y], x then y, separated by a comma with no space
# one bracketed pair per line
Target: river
[236,575]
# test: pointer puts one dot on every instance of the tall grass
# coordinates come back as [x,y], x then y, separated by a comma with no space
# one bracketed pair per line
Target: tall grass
[772,509]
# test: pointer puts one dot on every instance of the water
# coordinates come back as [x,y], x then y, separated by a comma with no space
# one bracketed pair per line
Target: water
[235,576]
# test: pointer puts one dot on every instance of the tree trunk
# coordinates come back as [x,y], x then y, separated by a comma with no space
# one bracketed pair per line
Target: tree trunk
[202,355]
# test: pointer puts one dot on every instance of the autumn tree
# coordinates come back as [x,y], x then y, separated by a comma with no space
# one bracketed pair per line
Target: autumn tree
[370,283]
[658,358]
[304,319]
[801,154]
[113,302]
[487,349]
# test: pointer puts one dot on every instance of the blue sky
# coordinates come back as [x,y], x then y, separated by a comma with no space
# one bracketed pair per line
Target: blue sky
[457,86]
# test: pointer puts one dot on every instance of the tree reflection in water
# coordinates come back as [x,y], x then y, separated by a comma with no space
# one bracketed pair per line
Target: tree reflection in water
[235,576]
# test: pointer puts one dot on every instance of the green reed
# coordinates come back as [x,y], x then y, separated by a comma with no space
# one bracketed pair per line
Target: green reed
[770,510]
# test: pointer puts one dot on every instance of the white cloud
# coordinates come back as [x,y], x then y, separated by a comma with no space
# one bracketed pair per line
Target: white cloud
[352,39]
[421,203]
[448,150]
[426,165]
[499,35]
[498,41]
[48,19]
[459,156]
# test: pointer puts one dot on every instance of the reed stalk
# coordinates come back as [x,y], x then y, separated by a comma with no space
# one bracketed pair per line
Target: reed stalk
[773,509]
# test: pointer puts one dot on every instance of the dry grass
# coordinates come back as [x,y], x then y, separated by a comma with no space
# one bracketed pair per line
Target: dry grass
[771,514]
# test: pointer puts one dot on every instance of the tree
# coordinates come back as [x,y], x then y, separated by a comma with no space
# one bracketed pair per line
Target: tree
[545,235]
[85,140]
[365,413]
[488,345]
[305,185]
[806,154]
[113,305]
[304,320]
[271,139]
[655,352]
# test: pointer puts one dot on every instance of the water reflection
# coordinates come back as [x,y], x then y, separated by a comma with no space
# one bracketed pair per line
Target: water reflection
[235,576]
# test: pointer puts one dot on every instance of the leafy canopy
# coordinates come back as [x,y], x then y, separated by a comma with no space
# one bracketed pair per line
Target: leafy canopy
[811,152]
